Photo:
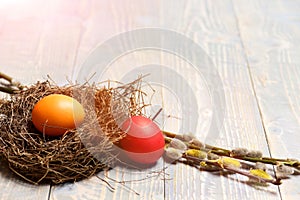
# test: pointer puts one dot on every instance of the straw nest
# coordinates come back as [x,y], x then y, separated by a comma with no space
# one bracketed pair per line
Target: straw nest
[79,153]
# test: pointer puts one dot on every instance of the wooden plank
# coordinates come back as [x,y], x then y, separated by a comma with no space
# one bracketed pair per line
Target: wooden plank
[19,38]
[36,40]
[106,19]
[40,40]
[213,26]
[270,32]
[14,188]
[124,183]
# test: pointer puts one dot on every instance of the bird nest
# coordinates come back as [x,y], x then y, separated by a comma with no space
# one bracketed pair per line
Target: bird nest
[79,153]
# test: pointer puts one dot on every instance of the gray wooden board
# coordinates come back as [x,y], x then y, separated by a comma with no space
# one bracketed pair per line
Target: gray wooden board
[14,188]
[216,30]
[253,46]
[271,33]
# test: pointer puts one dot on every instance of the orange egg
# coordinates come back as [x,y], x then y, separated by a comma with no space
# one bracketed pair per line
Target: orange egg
[53,115]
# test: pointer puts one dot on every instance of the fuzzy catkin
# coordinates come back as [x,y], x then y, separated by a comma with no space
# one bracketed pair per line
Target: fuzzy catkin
[178,144]
[173,153]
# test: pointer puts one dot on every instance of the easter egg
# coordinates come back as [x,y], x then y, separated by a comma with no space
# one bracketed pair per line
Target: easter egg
[144,142]
[54,114]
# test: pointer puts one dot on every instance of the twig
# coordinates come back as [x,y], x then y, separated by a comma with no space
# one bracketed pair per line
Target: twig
[226,152]
[237,170]
[6,90]
[6,77]
[11,87]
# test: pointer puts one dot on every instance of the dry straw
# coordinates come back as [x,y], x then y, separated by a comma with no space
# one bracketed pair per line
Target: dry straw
[88,149]
[79,153]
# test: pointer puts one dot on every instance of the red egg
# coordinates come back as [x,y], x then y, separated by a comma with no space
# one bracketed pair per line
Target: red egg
[144,142]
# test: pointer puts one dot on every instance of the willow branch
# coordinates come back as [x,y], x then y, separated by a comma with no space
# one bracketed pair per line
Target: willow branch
[226,152]
[197,162]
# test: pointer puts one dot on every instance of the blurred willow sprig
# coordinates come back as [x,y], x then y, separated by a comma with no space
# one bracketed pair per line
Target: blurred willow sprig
[8,85]
[250,163]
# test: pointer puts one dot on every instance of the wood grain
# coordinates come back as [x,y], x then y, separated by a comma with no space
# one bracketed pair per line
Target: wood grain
[254,48]
[14,188]
[107,19]
[215,29]
[270,33]
[34,43]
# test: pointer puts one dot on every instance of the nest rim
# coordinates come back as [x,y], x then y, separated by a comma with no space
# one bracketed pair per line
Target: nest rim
[37,158]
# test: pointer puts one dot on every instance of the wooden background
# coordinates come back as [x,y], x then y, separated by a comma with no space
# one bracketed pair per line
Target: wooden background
[253,44]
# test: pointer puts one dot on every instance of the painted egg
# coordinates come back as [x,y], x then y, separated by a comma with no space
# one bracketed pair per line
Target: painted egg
[54,114]
[144,142]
